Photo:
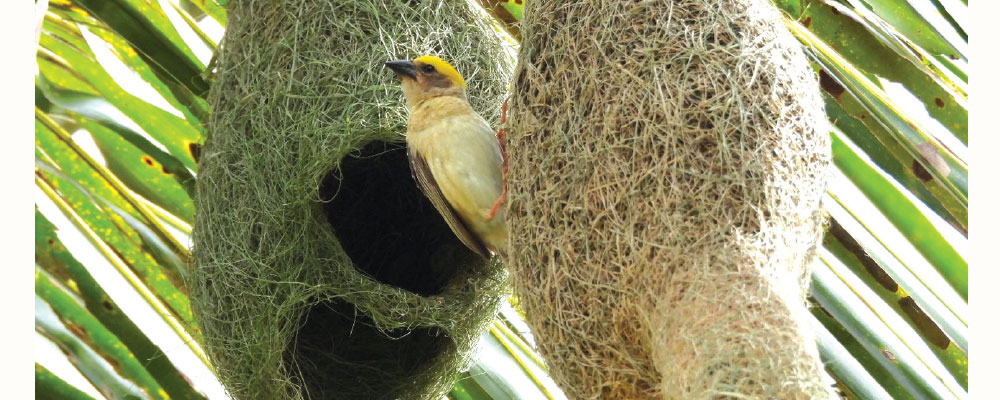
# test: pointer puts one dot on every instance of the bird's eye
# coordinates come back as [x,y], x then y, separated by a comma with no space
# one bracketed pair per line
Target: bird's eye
[428,69]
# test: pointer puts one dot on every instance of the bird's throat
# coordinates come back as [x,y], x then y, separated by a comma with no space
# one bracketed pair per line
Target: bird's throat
[430,110]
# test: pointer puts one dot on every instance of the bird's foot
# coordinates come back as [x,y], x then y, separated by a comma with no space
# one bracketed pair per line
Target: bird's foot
[502,138]
[496,206]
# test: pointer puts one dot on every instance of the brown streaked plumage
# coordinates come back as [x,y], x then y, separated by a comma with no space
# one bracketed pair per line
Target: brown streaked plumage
[454,155]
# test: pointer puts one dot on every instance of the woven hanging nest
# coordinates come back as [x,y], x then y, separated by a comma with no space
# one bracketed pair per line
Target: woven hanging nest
[320,270]
[667,164]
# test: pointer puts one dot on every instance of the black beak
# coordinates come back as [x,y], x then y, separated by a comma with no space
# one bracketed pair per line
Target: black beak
[403,68]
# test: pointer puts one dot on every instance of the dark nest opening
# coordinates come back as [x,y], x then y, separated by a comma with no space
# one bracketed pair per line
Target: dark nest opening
[338,353]
[386,225]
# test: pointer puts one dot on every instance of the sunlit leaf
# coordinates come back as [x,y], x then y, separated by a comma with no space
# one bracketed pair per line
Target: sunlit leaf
[90,112]
[859,126]
[144,25]
[97,352]
[837,298]
[176,134]
[932,156]
[868,269]
[508,14]
[212,9]
[851,376]
[144,173]
[901,15]
[842,31]
[859,353]
[50,386]
[54,258]
[905,216]
[109,227]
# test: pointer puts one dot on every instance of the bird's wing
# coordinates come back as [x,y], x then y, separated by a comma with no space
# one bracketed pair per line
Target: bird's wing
[425,180]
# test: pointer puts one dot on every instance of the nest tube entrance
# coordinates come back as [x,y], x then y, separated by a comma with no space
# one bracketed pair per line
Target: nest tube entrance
[342,354]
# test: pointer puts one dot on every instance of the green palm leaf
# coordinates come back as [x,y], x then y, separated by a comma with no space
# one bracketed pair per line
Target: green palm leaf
[50,386]
[58,262]
[97,352]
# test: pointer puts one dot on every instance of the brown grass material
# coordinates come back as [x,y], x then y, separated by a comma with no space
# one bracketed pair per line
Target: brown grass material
[320,270]
[668,159]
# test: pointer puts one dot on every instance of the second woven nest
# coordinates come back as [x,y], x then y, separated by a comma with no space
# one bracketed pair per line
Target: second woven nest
[667,164]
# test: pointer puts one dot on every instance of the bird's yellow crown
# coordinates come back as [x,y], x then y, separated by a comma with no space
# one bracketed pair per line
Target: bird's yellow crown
[443,68]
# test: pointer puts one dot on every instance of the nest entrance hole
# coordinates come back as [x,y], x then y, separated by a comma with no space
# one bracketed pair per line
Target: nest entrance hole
[386,225]
[338,353]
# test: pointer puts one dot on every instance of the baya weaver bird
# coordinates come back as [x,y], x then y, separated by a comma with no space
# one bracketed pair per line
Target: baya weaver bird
[454,155]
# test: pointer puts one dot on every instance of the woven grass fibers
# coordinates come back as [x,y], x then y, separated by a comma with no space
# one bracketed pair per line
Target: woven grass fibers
[667,164]
[320,270]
